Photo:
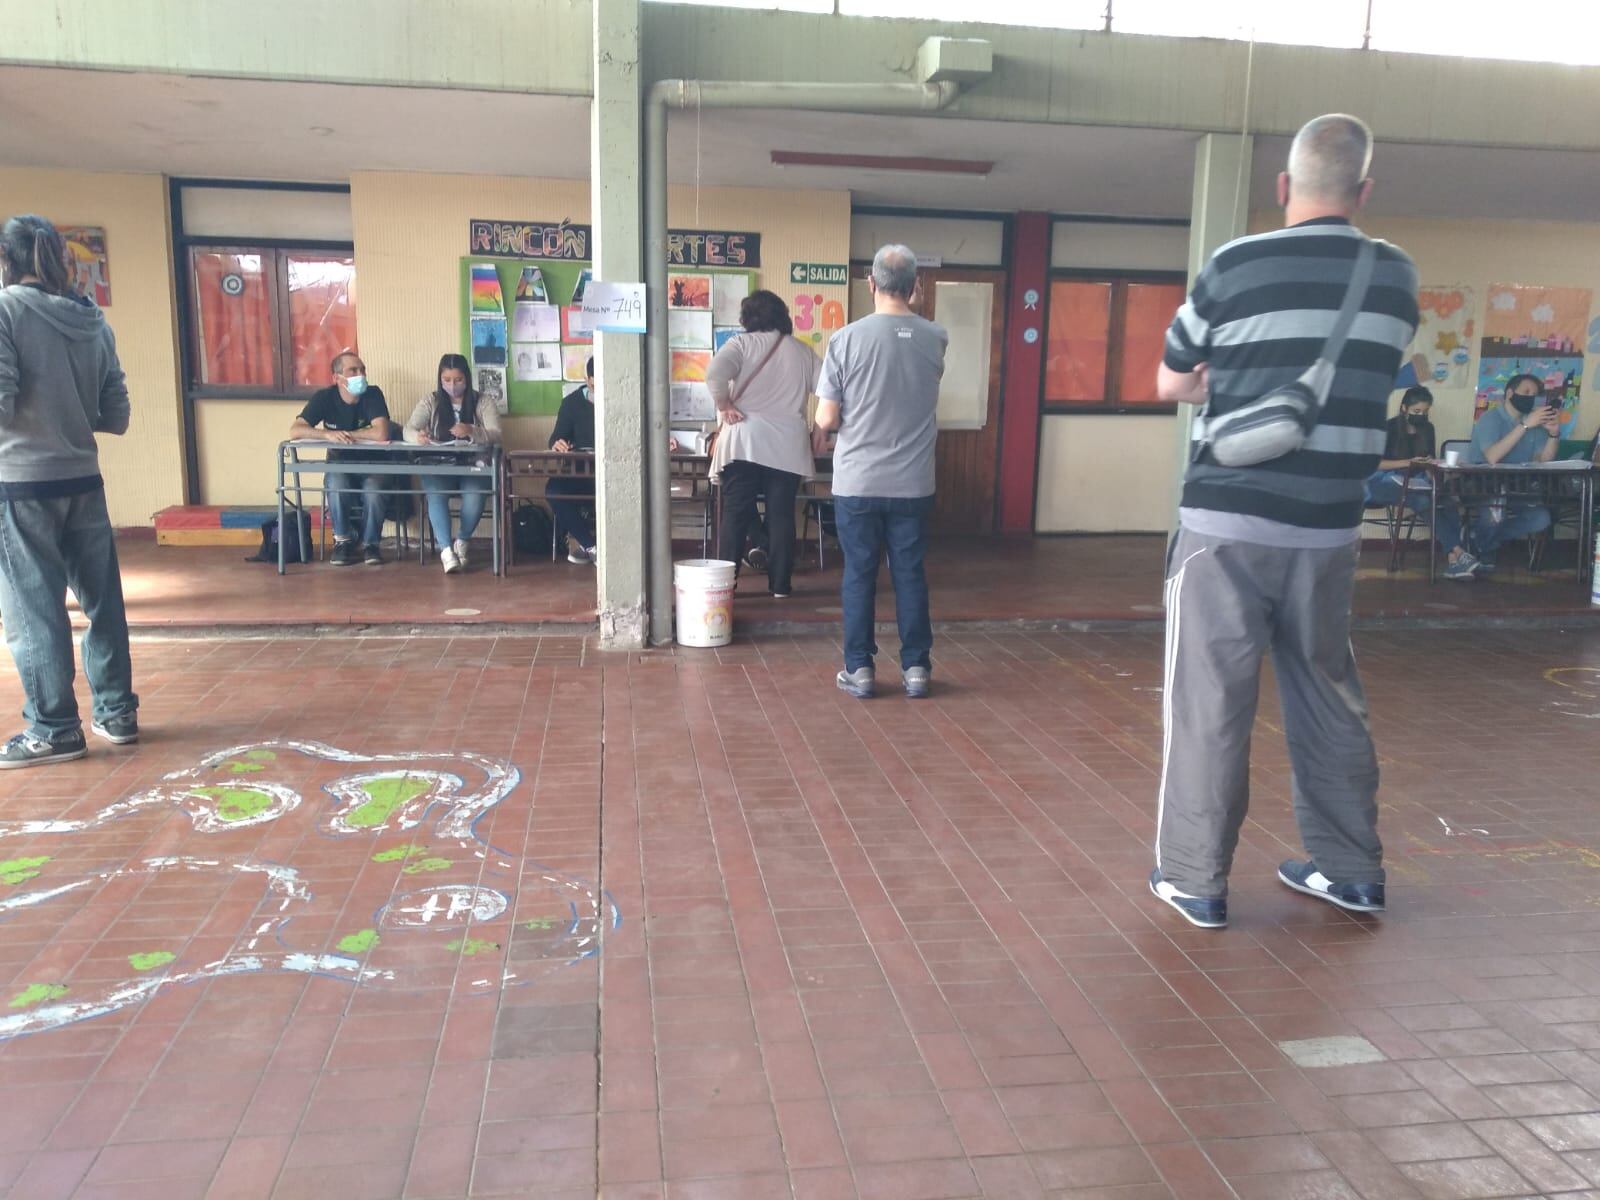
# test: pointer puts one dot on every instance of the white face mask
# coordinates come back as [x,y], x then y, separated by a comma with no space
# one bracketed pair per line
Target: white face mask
[455,390]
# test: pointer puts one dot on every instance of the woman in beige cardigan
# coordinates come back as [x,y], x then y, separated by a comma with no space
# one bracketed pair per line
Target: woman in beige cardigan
[454,412]
[761,380]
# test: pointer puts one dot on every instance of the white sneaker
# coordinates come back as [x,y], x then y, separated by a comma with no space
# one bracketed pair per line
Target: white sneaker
[461,549]
[452,564]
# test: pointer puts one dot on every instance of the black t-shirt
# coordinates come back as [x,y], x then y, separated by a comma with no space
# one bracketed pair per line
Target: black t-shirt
[1405,442]
[327,408]
[575,421]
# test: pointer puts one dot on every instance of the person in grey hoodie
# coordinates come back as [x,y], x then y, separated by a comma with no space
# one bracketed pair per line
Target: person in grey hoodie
[60,384]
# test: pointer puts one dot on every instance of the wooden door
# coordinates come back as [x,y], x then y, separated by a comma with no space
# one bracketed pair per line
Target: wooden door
[966,459]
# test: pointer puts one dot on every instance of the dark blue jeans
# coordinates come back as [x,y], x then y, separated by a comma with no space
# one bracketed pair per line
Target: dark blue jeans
[46,547]
[344,489]
[574,516]
[869,526]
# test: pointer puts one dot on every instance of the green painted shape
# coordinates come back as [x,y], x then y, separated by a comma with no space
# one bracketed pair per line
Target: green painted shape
[236,803]
[245,768]
[150,960]
[20,870]
[398,854]
[540,923]
[38,993]
[472,946]
[359,943]
[426,865]
[384,795]
[261,755]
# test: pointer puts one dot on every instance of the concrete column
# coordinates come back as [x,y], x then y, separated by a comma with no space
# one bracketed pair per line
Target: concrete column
[1217,215]
[616,198]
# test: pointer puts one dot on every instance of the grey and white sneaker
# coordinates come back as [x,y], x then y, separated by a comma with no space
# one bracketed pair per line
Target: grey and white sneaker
[860,683]
[451,561]
[27,750]
[461,548]
[1464,567]
[119,731]
[916,681]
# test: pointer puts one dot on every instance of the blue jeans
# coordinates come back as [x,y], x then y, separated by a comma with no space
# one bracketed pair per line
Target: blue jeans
[572,516]
[343,489]
[46,547]
[1517,520]
[1384,488]
[474,495]
[869,525]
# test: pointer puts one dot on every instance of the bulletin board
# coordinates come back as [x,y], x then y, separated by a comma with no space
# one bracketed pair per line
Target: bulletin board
[517,338]
[703,313]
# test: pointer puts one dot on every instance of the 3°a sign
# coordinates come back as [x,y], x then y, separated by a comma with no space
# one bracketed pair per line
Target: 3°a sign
[819,274]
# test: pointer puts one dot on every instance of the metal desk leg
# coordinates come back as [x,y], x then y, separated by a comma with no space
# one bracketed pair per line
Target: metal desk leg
[280,514]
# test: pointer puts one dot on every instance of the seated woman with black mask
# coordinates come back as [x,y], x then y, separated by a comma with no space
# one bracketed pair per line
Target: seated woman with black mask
[1411,438]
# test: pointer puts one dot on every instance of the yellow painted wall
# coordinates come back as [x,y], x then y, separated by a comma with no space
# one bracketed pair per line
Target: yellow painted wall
[143,469]
[1105,474]
[1115,473]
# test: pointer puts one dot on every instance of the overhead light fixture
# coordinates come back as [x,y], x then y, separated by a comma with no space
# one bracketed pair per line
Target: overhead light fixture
[883,162]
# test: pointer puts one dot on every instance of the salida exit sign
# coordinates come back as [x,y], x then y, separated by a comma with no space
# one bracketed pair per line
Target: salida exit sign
[821,274]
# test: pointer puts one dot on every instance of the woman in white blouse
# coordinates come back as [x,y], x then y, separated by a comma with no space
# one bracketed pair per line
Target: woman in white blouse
[454,412]
[761,380]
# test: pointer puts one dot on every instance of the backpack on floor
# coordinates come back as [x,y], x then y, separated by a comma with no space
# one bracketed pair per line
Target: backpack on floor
[530,529]
[291,549]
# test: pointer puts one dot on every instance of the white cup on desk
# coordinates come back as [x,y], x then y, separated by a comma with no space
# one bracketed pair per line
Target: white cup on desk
[1452,458]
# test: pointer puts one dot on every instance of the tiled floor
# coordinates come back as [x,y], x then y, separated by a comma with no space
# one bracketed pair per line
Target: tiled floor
[881,949]
[994,580]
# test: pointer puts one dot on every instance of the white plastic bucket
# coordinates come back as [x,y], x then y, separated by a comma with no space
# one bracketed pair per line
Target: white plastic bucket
[704,588]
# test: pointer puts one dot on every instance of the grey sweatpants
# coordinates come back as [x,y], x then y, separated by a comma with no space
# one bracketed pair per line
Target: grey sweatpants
[1229,604]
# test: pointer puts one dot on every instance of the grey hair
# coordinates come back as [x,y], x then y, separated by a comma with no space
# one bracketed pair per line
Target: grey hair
[894,270]
[1329,158]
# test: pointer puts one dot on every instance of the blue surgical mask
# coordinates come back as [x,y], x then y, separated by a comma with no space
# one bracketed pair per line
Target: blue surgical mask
[355,384]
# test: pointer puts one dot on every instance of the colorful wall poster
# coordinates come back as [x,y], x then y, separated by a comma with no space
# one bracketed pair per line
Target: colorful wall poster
[689,291]
[486,295]
[576,299]
[86,258]
[575,363]
[727,294]
[721,337]
[689,366]
[536,362]
[1535,331]
[535,323]
[530,287]
[1441,351]
[574,328]
[488,341]
[689,329]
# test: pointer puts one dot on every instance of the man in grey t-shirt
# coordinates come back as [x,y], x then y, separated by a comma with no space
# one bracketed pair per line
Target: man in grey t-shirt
[880,390]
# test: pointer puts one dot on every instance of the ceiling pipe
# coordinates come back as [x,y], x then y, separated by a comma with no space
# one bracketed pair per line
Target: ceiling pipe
[694,94]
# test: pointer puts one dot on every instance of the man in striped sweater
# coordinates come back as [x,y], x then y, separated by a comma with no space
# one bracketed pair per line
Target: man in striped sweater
[1265,556]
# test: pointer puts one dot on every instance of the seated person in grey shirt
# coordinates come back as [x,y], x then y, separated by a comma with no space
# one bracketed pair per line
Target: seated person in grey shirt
[1522,428]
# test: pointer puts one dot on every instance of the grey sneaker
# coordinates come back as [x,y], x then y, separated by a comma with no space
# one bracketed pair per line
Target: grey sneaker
[860,683]
[916,681]
[462,549]
[26,750]
[119,731]
[1464,567]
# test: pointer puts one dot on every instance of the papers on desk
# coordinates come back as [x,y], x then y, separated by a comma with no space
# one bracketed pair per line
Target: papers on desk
[1564,464]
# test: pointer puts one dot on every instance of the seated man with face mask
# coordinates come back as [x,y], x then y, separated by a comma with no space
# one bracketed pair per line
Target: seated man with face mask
[349,412]
[1522,428]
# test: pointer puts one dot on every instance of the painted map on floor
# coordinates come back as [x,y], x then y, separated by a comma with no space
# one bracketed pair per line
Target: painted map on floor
[447,909]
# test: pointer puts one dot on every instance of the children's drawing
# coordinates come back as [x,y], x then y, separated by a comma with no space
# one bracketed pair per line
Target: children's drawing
[584,276]
[575,363]
[536,362]
[1441,350]
[492,387]
[727,294]
[486,296]
[1534,331]
[689,366]
[689,329]
[489,341]
[530,287]
[535,323]
[458,911]
[688,291]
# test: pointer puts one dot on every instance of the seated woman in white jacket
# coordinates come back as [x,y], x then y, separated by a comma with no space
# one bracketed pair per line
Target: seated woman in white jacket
[454,412]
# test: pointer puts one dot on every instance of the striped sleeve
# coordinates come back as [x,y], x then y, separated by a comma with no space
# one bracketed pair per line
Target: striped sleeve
[1188,341]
